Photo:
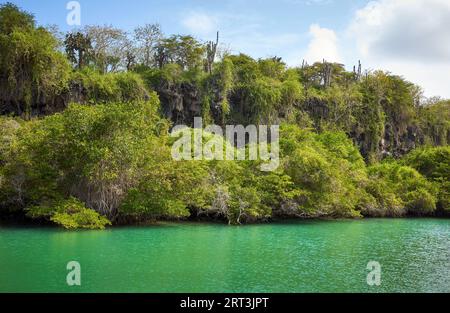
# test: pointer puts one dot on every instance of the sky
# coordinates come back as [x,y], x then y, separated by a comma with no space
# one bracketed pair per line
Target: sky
[410,38]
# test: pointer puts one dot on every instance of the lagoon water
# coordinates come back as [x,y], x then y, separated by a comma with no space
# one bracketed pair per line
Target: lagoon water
[315,256]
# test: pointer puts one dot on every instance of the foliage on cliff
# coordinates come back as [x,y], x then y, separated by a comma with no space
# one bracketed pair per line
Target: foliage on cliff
[89,144]
[115,159]
[384,114]
[32,71]
[434,164]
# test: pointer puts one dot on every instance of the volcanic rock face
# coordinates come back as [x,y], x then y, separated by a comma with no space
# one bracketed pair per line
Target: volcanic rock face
[182,102]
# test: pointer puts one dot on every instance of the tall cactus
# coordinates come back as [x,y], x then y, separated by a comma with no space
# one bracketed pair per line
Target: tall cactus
[211,51]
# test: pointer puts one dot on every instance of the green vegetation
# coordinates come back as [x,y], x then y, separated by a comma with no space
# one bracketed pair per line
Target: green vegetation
[111,87]
[399,190]
[70,214]
[434,164]
[32,71]
[88,146]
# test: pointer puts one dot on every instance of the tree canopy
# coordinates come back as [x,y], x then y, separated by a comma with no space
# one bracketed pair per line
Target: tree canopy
[84,132]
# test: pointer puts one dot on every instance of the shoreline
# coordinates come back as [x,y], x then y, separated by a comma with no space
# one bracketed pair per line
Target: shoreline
[201,222]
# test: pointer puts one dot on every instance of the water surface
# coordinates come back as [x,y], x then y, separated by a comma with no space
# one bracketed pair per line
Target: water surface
[319,256]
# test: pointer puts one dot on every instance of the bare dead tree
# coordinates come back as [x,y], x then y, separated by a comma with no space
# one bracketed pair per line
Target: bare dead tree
[147,39]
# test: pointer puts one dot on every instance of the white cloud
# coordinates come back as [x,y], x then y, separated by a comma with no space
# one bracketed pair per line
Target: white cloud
[323,45]
[402,29]
[409,38]
[200,23]
[434,79]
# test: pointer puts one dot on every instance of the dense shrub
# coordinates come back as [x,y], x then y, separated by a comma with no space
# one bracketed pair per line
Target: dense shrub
[327,170]
[70,214]
[399,190]
[434,120]
[434,164]
[111,87]
[166,188]
[91,152]
[32,70]
[109,156]
[8,131]
[114,160]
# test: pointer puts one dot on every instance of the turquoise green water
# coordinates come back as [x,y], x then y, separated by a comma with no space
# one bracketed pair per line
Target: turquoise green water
[296,257]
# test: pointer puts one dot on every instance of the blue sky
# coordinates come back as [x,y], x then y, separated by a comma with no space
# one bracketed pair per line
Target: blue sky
[277,15]
[407,37]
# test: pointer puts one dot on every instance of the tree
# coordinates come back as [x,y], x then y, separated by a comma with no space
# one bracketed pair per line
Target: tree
[11,17]
[78,47]
[272,67]
[186,51]
[107,47]
[434,164]
[130,55]
[434,120]
[399,190]
[92,153]
[147,38]
[32,71]
[70,214]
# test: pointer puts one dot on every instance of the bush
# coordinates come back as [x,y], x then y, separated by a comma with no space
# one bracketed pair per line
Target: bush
[167,188]
[111,87]
[434,164]
[31,66]
[434,120]
[94,153]
[420,202]
[327,171]
[8,131]
[70,214]
[131,86]
[400,190]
